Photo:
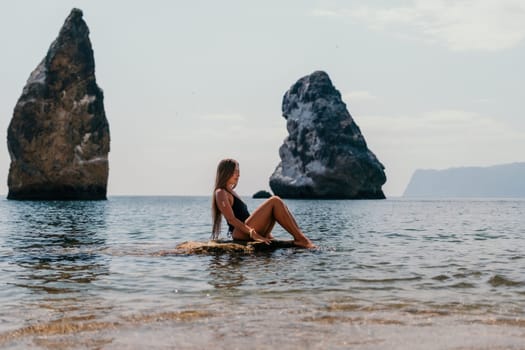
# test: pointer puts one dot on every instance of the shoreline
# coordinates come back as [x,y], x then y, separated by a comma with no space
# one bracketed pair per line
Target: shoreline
[267,326]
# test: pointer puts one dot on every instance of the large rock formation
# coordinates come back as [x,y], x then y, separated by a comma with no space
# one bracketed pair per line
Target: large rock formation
[58,138]
[325,154]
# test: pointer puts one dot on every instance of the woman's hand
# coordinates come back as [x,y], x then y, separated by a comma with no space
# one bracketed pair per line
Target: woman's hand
[258,238]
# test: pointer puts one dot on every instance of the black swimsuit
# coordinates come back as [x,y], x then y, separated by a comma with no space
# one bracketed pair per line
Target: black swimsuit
[240,210]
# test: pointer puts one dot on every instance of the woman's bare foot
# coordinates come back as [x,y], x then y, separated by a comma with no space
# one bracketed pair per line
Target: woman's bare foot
[304,243]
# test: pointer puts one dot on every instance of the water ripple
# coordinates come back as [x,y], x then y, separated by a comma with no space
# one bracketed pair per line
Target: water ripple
[83,267]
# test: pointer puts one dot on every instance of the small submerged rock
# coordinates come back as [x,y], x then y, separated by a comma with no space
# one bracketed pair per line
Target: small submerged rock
[58,138]
[262,194]
[497,281]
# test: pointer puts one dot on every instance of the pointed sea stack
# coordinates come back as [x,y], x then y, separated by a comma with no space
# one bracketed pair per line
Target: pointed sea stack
[325,156]
[58,139]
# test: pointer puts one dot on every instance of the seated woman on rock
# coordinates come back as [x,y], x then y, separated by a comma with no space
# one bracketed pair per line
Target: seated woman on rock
[243,226]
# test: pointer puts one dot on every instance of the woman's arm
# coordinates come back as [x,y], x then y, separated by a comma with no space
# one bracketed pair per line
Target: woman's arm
[224,205]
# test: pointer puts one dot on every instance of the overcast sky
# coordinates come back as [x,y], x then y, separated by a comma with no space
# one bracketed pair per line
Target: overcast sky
[431,83]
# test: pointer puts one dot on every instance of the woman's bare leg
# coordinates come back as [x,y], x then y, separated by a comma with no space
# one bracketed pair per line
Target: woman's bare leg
[264,217]
[267,232]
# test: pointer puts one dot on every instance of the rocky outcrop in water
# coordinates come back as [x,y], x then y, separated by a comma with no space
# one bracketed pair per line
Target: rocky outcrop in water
[226,247]
[262,194]
[325,155]
[58,138]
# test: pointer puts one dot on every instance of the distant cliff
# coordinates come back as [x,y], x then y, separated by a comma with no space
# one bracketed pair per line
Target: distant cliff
[507,180]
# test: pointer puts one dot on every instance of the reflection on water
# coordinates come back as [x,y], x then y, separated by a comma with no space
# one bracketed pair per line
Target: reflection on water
[84,275]
[57,244]
[56,249]
[225,271]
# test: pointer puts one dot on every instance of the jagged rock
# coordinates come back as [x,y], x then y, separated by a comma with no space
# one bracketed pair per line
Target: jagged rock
[226,247]
[325,155]
[58,138]
[262,194]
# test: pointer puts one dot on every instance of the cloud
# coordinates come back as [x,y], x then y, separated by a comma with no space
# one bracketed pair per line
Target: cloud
[460,25]
[445,132]
[326,13]
[352,96]
[437,140]
[224,117]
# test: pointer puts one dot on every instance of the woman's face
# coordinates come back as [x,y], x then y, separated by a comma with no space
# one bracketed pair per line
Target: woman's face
[234,179]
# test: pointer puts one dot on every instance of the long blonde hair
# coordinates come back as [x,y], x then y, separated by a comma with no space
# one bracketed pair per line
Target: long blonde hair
[225,170]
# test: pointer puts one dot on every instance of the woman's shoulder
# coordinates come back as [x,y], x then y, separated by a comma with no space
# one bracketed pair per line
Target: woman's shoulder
[223,192]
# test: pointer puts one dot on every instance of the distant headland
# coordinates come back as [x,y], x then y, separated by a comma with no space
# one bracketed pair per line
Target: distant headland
[504,181]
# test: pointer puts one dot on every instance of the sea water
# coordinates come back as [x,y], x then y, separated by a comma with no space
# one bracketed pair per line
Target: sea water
[387,274]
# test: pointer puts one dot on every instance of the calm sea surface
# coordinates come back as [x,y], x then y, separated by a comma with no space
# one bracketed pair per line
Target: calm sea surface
[391,274]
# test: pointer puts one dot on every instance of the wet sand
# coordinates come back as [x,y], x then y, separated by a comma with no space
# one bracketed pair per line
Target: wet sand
[331,327]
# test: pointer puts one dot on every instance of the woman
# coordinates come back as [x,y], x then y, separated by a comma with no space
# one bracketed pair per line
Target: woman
[243,226]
